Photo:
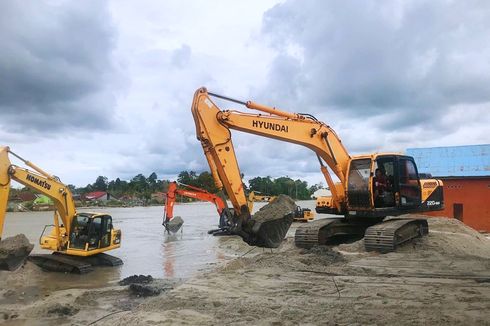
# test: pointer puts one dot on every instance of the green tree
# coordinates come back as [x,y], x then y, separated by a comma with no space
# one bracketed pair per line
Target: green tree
[205,181]
[100,184]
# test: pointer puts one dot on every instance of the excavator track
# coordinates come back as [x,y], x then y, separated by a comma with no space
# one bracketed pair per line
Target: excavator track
[321,232]
[58,262]
[386,236]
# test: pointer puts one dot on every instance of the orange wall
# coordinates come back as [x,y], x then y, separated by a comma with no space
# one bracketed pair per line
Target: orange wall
[474,194]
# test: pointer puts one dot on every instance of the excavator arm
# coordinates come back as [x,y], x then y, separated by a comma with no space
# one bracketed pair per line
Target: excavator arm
[191,192]
[213,130]
[39,181]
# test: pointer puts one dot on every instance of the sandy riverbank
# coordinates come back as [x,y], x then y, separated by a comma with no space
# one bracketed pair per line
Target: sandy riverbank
[443,278]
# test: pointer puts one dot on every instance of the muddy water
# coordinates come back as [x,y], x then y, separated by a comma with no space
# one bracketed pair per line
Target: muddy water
[146,248]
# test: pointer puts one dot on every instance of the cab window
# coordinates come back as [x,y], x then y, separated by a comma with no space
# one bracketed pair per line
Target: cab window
[409,183]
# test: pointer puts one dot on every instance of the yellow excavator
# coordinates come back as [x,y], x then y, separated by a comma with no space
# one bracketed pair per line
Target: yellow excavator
[370,188]
[300,214]
[77,240]
[254,196]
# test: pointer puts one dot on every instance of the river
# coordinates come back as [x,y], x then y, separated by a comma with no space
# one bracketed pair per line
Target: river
[146,248]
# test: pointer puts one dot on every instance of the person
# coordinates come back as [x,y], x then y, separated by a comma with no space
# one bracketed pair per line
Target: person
[381,186]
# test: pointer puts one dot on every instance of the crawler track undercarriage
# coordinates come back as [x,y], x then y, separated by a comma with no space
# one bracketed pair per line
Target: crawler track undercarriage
[381,236]
[58,262]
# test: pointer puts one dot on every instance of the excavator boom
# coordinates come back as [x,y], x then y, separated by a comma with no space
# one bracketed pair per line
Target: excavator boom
[213,130]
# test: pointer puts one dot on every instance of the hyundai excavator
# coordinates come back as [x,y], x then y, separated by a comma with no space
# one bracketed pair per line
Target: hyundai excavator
[173,224]
[355,197]
[77,240]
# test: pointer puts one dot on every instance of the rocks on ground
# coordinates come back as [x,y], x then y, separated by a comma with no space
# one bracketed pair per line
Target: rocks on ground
[146,286]
[13,251]
[136,279]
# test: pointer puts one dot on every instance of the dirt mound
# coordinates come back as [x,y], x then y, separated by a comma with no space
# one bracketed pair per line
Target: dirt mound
[271,223]
[13,251]
[144,290]
[353,247]
[450,237]
[136,279]
[62,310]
[325,253]
[447,236]
[145,286]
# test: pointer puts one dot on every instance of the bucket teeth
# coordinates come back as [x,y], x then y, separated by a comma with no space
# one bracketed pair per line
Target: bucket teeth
[268,233]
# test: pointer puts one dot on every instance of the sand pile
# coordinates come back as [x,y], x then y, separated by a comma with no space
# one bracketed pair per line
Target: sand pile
[271,223]
[13,251]
[447,236]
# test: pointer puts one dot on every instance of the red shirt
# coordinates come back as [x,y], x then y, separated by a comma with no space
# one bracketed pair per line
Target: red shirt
[380,184]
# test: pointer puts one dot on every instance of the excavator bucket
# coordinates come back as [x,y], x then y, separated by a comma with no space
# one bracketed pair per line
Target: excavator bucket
[14,251]
[174,225]
[270,224]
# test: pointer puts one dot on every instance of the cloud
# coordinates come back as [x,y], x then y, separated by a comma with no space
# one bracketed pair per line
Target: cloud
[410,61]
[107,86]
[56,66]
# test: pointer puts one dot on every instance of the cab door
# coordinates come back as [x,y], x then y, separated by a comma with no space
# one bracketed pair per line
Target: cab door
[358,184]
[407,183]
[106,228]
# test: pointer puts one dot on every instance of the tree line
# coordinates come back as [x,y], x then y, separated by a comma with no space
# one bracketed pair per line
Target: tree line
[142,187]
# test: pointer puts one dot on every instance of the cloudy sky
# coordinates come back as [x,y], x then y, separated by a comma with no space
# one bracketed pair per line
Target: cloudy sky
[91,88]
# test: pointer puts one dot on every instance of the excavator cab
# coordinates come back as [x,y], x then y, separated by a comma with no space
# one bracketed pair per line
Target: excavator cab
[91,232]
[381,185]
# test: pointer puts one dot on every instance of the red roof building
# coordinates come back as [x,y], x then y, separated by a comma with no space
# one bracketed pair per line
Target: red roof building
[98,195]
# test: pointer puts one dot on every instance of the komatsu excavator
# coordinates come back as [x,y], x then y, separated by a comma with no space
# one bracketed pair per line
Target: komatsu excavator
[77,240]
[173,224]
[360,197]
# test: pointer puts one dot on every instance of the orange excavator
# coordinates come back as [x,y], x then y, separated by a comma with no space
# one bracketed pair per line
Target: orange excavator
[371,187]
[173,224]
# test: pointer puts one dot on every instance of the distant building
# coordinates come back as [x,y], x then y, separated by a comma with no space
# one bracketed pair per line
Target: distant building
[465,171]
[98,196]
[43,203]
[24,196]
